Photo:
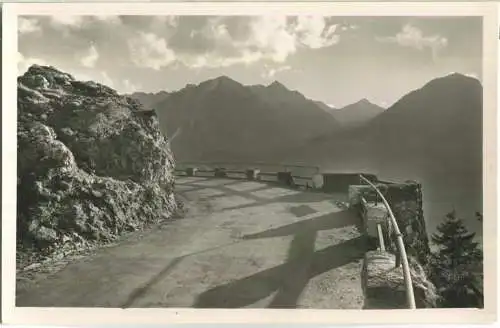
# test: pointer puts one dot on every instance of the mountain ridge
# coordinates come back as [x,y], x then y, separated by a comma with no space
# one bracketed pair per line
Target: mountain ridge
[221,116]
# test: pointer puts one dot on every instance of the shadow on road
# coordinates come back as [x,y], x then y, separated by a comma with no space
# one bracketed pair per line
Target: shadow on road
[333,220]
[288,279]
[297,196]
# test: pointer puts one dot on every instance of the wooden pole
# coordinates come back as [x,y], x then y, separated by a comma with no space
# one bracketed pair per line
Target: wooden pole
[410,297]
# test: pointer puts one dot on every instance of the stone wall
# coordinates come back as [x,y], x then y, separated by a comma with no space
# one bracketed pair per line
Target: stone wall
[383,282]
[405,200]
[340,182]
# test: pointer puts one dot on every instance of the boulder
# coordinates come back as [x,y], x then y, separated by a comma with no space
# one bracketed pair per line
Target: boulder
[89,167]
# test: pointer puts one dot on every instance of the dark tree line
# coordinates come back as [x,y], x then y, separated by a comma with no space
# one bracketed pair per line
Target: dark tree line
[456,267]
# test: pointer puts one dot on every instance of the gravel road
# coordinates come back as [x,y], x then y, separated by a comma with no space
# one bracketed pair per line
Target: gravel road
[241,244]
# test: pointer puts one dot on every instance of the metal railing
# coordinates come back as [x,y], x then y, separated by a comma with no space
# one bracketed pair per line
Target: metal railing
[410,297]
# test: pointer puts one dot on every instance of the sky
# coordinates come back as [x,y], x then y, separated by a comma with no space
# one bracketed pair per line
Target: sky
[337,60]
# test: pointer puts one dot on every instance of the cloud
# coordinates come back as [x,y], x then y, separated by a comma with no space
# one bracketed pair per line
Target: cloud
[270,73]
[90,59]
[411,36]
[110,19]
[23,63]
[122,86]
[313,32]
[196,42]
[226,41]
[148,50]
[66,20]
[129,87]
[28,25]
[348,27]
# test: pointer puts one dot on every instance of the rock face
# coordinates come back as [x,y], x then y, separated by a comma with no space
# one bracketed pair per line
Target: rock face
[91,163]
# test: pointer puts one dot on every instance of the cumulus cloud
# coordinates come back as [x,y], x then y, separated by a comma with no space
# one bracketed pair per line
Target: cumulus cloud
[313,32]
[348,27]
[226,41]
[23,63]
[90,59]
[28,25]
[64,20]
[411,36]
[270,72]
[150,51]
[155,42]
[111,19]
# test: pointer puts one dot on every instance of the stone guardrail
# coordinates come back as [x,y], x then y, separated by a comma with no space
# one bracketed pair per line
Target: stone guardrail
[388,220]
[297,176]
[385,285]
[285,177]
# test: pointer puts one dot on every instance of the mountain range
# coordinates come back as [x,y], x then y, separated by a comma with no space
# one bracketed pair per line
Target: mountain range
[356,114]
[433,134]
[225,120]
[261,119]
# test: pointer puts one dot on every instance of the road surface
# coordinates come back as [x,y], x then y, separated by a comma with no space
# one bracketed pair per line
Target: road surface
[242,244]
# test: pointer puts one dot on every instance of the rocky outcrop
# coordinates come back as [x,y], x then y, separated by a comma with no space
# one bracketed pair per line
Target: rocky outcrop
[91,164]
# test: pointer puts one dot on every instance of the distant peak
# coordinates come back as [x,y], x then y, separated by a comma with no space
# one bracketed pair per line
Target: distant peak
[453,78]
[455,74]
[277,84]
[222,80]
[363,101]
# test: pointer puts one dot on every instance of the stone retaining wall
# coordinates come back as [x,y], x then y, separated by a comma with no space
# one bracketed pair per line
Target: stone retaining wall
[383,283]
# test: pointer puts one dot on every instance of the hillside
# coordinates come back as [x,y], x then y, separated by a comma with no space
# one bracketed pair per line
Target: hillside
[432,134]
[91,164]
[445,114]
[221,119]
[149,99]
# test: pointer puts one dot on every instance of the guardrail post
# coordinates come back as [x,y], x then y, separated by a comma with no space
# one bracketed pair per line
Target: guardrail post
[191,171]
[220,172]
[286,178]
[252,174]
